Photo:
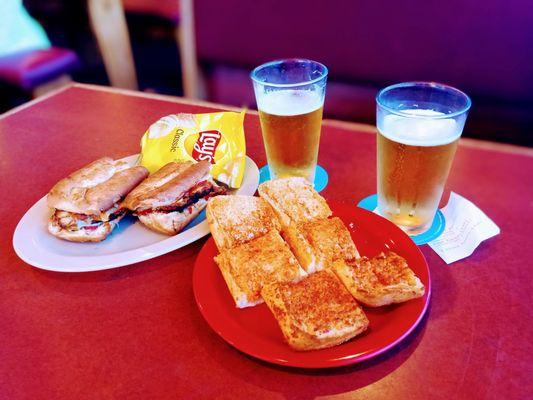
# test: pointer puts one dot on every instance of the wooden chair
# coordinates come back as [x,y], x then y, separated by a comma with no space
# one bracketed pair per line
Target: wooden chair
[111,31]
[109,25]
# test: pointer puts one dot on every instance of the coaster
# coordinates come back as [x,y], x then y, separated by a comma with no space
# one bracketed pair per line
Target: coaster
[370,203]
[321,177]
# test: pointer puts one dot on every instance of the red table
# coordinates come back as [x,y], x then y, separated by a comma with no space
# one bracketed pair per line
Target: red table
[135,332]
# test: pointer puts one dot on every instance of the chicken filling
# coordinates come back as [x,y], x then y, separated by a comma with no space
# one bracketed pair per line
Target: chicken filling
[75,222]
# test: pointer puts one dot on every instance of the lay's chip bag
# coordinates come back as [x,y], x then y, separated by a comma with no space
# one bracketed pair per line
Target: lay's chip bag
[216,137]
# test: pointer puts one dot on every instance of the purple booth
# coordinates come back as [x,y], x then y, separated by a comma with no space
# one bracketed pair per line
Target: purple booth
[483,48]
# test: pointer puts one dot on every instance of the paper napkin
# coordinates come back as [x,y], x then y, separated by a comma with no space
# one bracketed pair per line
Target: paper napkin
[466,227]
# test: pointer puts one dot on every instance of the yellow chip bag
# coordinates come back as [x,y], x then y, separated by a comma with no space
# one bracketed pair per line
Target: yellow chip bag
[216,137]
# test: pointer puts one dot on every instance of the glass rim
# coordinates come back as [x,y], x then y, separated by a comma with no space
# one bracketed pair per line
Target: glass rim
[253,74]
[429,84]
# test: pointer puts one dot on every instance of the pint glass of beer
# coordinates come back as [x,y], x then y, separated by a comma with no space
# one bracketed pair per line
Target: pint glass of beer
[290,98]
[419,125]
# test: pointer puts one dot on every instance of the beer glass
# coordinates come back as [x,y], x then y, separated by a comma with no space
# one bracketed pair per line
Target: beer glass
[419,125]
[290,98]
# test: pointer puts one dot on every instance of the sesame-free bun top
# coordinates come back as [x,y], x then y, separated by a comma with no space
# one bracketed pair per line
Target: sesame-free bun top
[167,185]
[95,187]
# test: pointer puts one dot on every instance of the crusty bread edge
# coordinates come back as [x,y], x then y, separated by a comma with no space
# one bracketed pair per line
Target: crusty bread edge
[239,296]
[392,294]
[219,235]
[302,249]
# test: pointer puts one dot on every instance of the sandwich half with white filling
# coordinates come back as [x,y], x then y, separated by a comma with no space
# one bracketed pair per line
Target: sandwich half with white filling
[173,196]
[86,204]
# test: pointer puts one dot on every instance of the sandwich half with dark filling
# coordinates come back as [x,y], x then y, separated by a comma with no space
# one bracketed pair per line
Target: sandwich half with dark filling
[173,196]
[86,204]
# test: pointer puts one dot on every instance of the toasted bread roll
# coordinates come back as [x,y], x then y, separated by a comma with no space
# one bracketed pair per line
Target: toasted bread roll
[159,178]
[320,242]
[95,187]
[235,220]
[294,200]
[86,203]
[173,196]
[381,280]
[316,312]
[250,266]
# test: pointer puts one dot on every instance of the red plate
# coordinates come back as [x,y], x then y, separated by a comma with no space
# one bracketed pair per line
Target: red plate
[254,330]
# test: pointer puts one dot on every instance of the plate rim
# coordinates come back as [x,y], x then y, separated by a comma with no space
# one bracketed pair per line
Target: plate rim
[80,264]
[330,363]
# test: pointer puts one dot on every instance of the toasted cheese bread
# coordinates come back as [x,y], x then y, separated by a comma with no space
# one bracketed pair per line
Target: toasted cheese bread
[235,220]
[320,242]
[294,200]
[316,312]
[250,266]
[378,281]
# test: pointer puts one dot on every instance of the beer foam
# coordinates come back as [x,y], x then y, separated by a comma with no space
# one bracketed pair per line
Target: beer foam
[289,102]
[419,131]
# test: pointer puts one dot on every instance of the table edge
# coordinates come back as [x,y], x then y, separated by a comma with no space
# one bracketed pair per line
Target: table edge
[353,126]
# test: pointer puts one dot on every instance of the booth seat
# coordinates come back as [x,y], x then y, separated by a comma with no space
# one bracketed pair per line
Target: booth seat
[28,70]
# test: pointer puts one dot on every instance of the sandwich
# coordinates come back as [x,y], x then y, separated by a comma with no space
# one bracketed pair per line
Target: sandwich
[235,220]
[294,200]
[381,280]
[173,196]
[250,266]
[320,242]
[86,204]
[315,312]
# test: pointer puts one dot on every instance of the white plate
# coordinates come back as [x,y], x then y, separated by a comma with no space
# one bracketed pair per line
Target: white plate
[129,243]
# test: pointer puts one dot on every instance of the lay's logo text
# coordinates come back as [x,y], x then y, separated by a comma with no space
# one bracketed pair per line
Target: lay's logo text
[206,145]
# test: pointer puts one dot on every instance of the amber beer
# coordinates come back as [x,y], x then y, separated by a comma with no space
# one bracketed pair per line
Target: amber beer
[414,159]
[290,122]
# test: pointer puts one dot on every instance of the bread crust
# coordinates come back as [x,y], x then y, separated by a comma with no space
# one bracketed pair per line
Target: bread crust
[167,185]
[84,235]
[302,249]
[95,187]
[171,223]
[379,281]
[294,200]
[235,219]
[239,296]
[320,242]
[316,312]
[250,266]
[157,179]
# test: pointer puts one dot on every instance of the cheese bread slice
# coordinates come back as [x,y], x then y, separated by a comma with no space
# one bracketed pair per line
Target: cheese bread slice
[294,200]
[378,281]
[250,266]
[234,220]
[316,312]
[321,242]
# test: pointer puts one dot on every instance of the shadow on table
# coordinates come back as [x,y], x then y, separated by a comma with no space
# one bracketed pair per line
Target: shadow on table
[295,382]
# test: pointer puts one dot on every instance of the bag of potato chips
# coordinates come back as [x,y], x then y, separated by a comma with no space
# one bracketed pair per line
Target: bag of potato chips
[216,137]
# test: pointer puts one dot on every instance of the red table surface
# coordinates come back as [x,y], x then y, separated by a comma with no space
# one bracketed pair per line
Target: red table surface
[135,332]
